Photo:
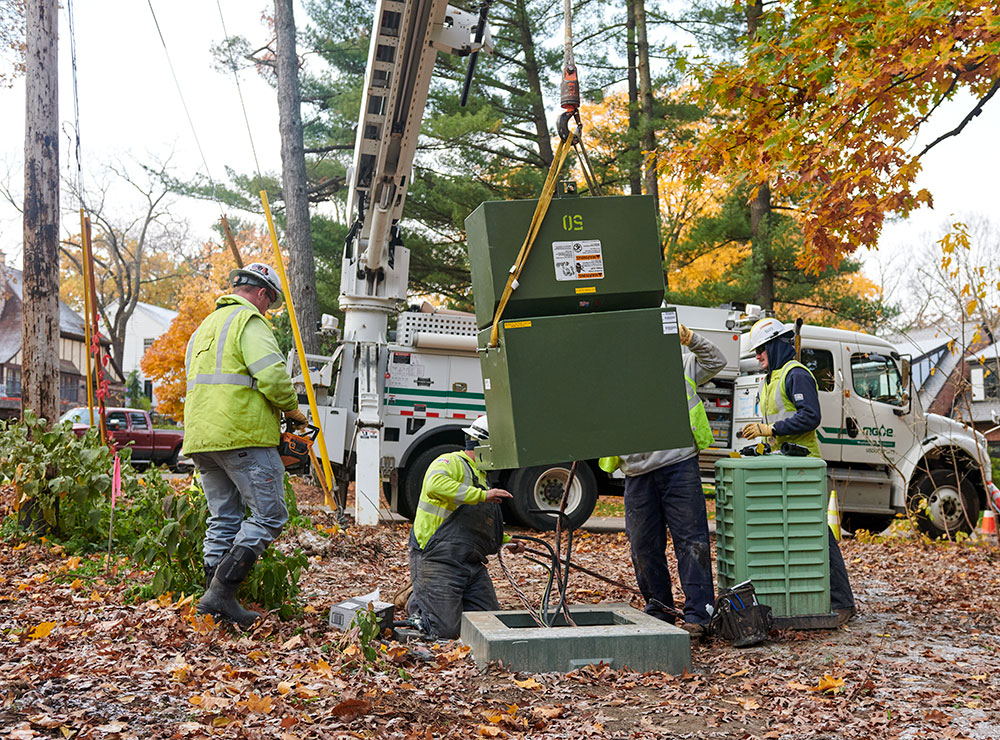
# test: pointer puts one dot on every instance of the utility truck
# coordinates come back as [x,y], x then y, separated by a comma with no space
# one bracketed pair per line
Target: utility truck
[885,455]
[390,401]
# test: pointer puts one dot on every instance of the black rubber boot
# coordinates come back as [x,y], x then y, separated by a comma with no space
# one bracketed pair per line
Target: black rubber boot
[209,574]
[220,599]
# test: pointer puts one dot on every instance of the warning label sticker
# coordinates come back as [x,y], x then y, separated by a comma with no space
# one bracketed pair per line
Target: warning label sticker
[580,260]
[669,320]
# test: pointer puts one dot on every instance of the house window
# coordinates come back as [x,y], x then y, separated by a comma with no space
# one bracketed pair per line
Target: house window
[876,378]
[991,383]
[69,387]
[13,382]
[147,343]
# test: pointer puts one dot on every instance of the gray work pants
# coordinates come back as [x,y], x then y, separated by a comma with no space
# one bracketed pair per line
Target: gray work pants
[236,480]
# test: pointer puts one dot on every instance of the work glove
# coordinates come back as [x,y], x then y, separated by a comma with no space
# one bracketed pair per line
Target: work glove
[685,333]
[756,429]
[296,417]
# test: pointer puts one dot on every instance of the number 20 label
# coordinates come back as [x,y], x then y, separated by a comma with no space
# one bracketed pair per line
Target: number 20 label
[572,222]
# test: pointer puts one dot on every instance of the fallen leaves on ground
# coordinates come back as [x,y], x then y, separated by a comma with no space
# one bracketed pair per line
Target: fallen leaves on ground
[79,660]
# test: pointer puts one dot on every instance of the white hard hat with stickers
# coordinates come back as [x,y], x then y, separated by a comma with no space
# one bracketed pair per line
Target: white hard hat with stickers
[767,329]
[260,274]
[479,430]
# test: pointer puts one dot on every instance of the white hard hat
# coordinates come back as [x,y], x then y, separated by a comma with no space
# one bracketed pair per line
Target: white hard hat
[260,274]
[479,430]
[765,330]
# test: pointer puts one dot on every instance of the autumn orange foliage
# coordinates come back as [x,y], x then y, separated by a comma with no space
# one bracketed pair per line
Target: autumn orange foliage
[163,362]
[827,98]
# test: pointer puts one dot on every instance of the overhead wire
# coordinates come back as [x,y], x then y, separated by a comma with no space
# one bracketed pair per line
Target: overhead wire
[239,91]
[184,105]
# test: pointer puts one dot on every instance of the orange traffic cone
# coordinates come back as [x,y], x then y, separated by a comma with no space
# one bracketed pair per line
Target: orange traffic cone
[989,525]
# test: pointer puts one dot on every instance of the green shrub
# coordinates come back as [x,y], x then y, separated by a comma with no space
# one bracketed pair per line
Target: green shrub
[63,482]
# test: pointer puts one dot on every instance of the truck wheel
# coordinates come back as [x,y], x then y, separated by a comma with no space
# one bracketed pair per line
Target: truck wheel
[413,478]
[542,486]
[950,506]
[172,465]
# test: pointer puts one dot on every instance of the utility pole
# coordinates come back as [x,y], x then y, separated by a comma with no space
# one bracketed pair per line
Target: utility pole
[301,259]
[40,308]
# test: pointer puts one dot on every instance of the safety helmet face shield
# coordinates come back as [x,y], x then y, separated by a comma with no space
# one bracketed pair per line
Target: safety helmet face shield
[261,275]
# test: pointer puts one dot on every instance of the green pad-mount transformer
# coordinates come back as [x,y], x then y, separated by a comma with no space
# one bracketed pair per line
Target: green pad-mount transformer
[587,363]
[771,529]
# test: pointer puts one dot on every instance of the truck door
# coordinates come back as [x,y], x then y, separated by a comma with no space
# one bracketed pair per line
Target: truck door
[142,436]
[873,392]
[821,358]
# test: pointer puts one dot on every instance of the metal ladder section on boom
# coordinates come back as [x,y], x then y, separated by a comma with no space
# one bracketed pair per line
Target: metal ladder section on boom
[406,37]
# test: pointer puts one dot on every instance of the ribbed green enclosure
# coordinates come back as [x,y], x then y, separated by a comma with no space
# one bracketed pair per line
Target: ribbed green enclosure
[771,527]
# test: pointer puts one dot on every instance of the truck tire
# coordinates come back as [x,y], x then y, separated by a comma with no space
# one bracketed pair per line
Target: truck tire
[950,506]
[542,486]
[412,479]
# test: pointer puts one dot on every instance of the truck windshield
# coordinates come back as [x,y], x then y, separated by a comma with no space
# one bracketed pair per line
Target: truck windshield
[876,377]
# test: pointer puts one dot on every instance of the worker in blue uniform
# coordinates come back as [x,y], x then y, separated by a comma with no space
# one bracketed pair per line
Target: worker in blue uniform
[789,402]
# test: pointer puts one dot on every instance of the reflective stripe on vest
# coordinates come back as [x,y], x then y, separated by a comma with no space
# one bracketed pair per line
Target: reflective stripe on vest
[777,406]
[219,377]
[700,427]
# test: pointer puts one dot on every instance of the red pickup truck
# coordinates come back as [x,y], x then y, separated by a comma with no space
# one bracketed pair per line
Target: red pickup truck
[133,428]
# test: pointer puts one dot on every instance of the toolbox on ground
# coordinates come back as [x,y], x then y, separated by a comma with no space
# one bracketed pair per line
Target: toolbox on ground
[342,614]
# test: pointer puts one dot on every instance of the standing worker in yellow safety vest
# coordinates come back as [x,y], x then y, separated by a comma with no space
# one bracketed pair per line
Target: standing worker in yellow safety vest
[458,524]
[237,387]
[663,491]
[789,402]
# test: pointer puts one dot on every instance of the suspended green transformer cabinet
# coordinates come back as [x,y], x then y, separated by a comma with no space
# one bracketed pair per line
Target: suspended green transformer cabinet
[771,529]
[587,364]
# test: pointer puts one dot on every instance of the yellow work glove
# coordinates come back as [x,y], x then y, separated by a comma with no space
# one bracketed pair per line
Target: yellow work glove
[756,429]
[296,417]
[685,333]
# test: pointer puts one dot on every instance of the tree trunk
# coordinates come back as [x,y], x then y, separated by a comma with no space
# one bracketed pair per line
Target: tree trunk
[40,310]
[646,103]
[534,84]
[301,259]
[760,235]
[760,206]
[635,165]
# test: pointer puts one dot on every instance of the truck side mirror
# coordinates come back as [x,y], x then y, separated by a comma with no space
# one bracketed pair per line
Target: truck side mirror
[905,373]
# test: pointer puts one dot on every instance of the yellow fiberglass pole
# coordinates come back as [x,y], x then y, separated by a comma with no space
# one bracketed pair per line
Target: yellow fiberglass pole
[86,313]
[327,470]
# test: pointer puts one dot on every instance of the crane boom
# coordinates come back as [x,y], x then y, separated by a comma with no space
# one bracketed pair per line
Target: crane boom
[406,37]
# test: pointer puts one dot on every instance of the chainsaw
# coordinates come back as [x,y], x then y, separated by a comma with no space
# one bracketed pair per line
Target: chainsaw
[295,447]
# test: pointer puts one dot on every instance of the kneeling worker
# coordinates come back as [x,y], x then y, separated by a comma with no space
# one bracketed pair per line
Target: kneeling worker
[458,523]
[789,402]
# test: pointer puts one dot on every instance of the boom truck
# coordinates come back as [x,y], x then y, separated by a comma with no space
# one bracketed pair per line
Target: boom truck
[390,401]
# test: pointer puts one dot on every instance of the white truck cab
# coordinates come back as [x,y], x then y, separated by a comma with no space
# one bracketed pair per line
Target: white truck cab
[885,454]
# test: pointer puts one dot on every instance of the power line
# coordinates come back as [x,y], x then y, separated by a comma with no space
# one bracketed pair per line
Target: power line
[76,100]
[187,113]
[239,90]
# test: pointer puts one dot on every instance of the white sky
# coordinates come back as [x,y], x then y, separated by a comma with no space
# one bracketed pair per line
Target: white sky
[130,111]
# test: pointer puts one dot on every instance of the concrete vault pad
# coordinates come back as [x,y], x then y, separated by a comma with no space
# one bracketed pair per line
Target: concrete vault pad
[615,634]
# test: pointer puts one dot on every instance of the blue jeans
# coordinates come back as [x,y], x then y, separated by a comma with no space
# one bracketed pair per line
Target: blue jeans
[841,595]
[671,498]
[236,480]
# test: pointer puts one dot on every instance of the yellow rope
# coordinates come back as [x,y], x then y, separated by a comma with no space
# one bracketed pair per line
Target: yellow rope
[548,191]
[300,348]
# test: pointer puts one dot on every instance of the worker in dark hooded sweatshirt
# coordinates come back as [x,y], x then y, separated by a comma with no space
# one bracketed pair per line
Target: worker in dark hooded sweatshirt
[789,403]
